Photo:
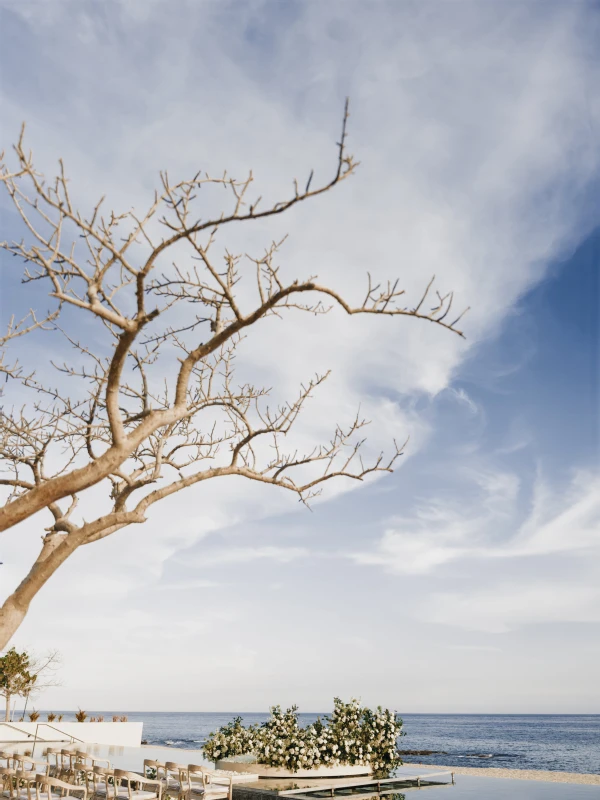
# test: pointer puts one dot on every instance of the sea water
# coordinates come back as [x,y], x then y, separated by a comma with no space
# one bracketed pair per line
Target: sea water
[569,743]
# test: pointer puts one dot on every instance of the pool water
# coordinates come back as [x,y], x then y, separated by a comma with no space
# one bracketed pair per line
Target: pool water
[467,787]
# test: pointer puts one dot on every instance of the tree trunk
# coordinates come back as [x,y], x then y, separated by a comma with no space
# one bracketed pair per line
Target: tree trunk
[56,548]
[25,706]
[7,716]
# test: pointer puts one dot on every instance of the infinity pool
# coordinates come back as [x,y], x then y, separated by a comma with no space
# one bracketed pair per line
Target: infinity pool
[468,787]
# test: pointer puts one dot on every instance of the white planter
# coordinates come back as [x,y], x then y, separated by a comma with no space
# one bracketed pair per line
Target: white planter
[236,764]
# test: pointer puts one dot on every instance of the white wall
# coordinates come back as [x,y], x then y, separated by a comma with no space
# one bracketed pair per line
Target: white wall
[126,734]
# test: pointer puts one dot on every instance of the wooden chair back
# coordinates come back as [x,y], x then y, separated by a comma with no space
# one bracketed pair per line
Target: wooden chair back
[15,781]
[44,784]
[159,768]
[81,756]
[25,763]
[67,758]
[175,774]
[101,777]
[216,784]
[188,784]
[7,780]
[51,754]
[8,758]
[125,778]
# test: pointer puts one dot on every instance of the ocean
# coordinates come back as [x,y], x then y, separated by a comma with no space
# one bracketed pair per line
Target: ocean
[569,743]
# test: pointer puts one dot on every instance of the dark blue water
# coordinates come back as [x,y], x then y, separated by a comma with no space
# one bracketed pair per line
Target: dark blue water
[569,743]
[566,743]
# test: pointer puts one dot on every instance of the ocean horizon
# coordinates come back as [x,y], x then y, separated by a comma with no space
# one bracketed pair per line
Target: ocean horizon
[557,742]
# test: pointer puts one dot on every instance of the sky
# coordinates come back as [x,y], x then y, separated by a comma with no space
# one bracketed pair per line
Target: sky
[467,581]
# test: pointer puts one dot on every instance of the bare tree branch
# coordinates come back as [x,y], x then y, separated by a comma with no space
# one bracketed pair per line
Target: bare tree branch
[147,402]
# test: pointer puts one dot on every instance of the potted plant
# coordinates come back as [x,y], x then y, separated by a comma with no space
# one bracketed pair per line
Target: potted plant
[355,740]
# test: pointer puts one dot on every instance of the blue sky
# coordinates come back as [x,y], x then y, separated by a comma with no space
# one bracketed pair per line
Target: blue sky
[468,580]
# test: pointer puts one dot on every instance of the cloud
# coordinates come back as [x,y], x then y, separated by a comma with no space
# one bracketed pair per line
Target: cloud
[462,397]
[478,146]
[443,531]
[506,584]
[509,605]
[560,521]
[242,555]
[187,585]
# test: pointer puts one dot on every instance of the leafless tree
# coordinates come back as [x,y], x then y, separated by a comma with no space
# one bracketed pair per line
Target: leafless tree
[154,408]
[44,668]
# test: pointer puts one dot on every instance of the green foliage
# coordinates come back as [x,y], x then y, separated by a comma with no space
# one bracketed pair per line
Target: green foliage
[230,740]
[353,735]
[281,742]
[16,678]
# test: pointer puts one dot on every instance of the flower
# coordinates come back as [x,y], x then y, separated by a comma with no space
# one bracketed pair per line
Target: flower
[352,735]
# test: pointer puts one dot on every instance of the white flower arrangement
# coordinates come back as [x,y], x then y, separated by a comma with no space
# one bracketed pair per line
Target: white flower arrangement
[353,735]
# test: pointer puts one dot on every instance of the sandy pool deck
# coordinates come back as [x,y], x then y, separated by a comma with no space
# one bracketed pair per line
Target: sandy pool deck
[518,774]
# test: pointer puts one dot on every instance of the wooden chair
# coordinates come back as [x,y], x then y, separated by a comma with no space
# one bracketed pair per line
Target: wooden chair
[217,785]
[23,763]
[158,768]
[67,758]
[82,771]
[126,781]
[17,785]
[190,788]
[81,757]
[174,775]
[8,781]
[103,780]
[44,786]
[53,755]
[83,775]
[12,758]
[6,775]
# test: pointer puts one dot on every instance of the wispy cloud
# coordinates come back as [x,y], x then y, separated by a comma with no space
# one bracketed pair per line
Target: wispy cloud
[242,555]
[444,530]
[462,397]
[187,585]
[507,586]
[510,604]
